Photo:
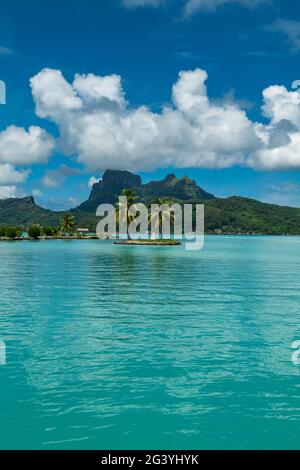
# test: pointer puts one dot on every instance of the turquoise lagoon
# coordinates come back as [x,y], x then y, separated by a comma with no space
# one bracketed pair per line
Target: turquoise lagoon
[123,347]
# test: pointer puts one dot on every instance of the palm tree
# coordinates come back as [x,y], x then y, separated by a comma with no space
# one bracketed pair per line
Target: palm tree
[160,215]
[122,208]
[68,224]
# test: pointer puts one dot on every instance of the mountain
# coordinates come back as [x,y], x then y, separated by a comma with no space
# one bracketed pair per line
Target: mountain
[109,188]
[181,190]
[230,215]
[242,215]
[113,182]
[24,211]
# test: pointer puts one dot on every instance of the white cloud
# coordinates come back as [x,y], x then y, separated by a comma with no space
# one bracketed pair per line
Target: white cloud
[290,28]
[19,147]
[100,90]
[285,157]
[194,133]
[8,191]
[9,175]
[92,181]
[280,149]
[281,104]
[53,95]
[100,128]
[193,6]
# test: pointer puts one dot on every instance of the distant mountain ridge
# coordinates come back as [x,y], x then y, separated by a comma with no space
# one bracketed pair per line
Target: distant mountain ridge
[113,182]
[107,190]
[229,215]
[178,189]
[23,211]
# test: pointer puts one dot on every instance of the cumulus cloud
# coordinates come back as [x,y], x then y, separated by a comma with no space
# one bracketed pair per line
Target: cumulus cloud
[98,126]
[100,90]
[280,148]
[9,175]
[7,192]
[281,104]
[284,157]
[53,95]
[19,147]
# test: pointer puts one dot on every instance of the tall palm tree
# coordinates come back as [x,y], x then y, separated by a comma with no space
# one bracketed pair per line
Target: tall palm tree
[68,224]
[123,209]
[160,215]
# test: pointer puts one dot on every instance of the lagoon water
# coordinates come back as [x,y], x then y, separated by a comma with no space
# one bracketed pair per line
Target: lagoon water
[126,347]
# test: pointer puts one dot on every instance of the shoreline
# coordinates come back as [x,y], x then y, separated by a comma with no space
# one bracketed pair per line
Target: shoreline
[147,242]
[40,239]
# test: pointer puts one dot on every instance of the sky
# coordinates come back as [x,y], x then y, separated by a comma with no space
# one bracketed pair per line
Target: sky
[203,88]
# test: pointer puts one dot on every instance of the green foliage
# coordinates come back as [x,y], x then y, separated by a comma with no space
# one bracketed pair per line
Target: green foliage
[177,189]
[25,212]
[242,215]
[13,232]
[68,224]
[49,231]
[35,231]
[120,210]
[231,215]
[130,196]
[160,215]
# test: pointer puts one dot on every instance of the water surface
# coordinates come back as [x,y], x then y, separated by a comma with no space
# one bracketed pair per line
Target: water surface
[127,347]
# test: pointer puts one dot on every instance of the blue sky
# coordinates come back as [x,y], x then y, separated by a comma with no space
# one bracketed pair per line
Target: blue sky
[244,47]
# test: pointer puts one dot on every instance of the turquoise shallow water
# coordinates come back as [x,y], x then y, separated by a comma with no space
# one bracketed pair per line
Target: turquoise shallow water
[149,347]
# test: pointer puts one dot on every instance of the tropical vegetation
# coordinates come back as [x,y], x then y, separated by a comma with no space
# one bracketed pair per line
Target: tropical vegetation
[10,232]
[160,215]
[68,224]
[122,209]
[229,216]
[35,231]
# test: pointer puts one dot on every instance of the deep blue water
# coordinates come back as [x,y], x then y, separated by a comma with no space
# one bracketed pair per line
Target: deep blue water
[150,347]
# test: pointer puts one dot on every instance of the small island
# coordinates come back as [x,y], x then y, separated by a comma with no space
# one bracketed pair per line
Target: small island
[159,242]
